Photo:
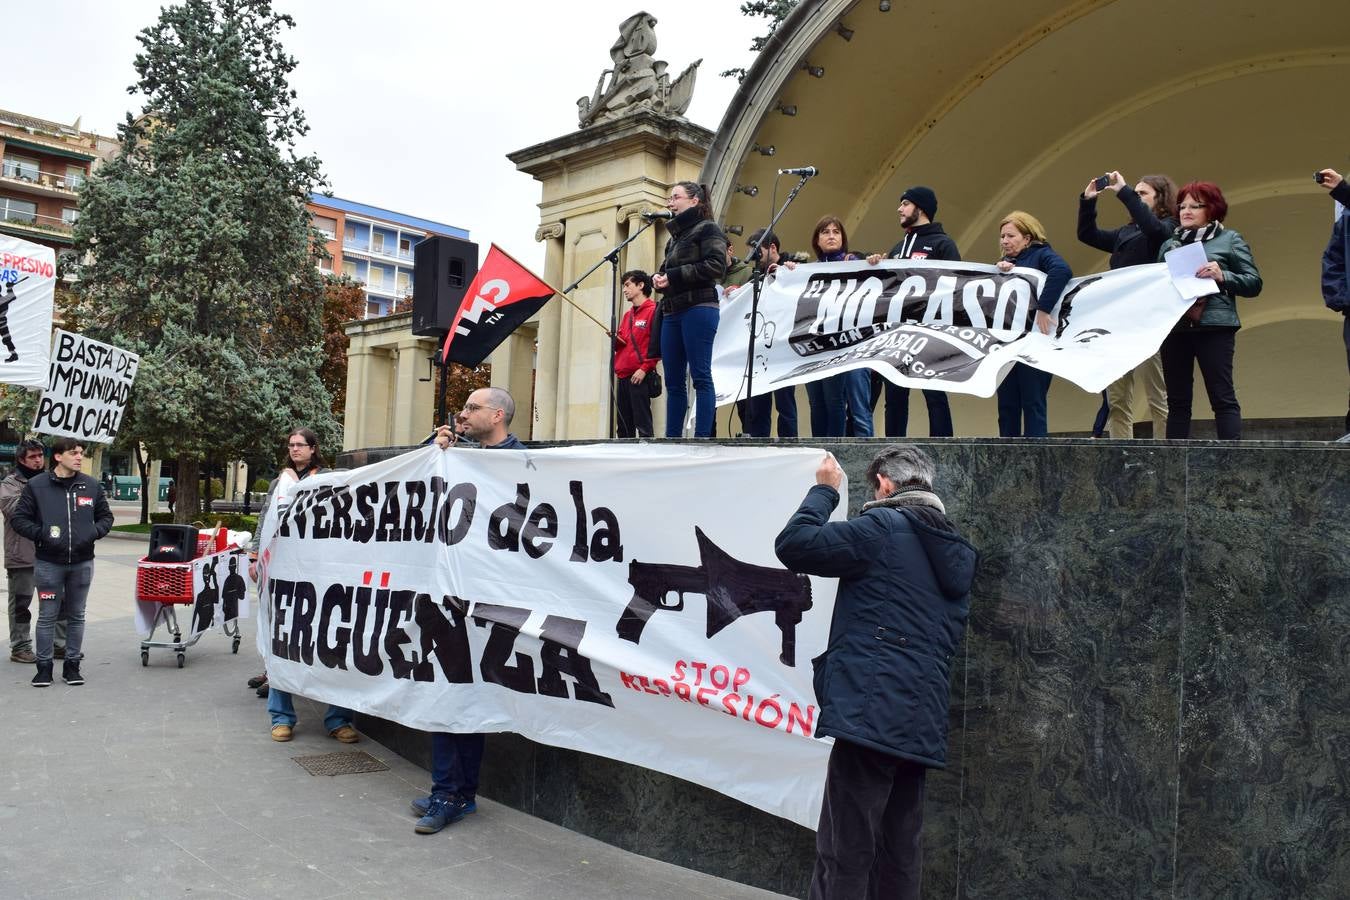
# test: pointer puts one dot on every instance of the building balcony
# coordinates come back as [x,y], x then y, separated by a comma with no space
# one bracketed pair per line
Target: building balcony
[28,224]
[364,247]
[43,184]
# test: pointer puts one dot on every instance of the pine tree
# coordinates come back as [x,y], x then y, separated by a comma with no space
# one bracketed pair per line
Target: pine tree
[203,255]
[773,10]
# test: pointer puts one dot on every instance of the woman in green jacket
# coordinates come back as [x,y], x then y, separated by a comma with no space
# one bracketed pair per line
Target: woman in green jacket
[1207,332]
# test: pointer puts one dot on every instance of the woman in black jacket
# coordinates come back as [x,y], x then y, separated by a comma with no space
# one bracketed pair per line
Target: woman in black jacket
[696,260]
[1152,205]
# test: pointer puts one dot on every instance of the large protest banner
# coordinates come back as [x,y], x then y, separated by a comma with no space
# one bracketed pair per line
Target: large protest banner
[87,389]
[27,288]
[624,601]
[940,325]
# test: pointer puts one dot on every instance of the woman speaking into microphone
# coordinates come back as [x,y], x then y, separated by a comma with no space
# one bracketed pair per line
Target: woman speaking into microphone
[696,260]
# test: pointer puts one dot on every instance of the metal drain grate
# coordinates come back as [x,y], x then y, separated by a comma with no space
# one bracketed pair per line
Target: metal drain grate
[348,762]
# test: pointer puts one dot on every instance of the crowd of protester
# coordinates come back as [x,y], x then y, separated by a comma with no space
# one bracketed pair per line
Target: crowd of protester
[700,267]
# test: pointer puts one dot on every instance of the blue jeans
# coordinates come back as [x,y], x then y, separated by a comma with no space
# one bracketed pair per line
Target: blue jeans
[283,711]
[897,412]
[857,390]
[760,413]
[1021,402]
[59,586]
[455,762]
[829,416]
[686,348]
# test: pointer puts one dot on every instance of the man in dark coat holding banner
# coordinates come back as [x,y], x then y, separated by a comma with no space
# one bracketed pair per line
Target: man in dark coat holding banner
[883,682]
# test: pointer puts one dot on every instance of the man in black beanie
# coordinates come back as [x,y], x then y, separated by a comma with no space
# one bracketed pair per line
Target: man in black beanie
[924,239]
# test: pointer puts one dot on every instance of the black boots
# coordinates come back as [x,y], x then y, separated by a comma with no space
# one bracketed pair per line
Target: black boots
[43,678]
[70,672]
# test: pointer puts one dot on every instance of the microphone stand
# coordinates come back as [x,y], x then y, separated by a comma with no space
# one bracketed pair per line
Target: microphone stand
[758,283]
[612,257]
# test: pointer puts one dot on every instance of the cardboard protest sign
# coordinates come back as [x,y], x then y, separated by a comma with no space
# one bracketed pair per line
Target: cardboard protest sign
[86,390]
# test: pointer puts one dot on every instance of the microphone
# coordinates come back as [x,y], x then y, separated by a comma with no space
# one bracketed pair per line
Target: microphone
[658,214]
[804,171]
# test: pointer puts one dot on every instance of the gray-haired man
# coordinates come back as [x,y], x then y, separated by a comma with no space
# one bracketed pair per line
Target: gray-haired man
[905,576]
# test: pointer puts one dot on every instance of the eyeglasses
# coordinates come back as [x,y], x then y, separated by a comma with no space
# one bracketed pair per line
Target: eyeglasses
[1192,206]
[475,407]
[292,446]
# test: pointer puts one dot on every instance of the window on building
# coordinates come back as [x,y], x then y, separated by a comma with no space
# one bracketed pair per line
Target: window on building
[12,210]
[405,247]
[404,282]
[377,242]
[326,263]
[70,215]
[75,176]
[349,234]
[349,268]
[21,167]
[326,224]
[373,309]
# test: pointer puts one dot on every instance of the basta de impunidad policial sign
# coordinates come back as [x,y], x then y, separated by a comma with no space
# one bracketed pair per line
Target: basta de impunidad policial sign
[87,389]
[584,597]
[947,326]
[27,289]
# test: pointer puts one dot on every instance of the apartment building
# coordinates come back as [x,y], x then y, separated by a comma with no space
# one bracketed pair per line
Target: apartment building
[374,246]
[43,165]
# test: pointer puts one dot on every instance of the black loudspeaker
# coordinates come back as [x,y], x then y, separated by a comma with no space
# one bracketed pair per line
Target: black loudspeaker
[173,543]
[443,269]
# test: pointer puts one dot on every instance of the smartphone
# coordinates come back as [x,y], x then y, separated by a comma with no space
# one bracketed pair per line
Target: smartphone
[1101,183]
[1319,177]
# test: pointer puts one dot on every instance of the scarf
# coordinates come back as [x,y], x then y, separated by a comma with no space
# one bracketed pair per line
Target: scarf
[27,472]
[1190,235]
[908,497]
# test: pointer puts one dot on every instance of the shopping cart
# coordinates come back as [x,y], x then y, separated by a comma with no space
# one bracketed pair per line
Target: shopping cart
[168,583]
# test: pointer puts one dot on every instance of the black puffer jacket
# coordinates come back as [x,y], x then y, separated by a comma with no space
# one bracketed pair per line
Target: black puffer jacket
[62,516]
[884,680]
[696,260]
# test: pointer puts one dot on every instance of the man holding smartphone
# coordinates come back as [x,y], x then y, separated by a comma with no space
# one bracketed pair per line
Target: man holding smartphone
[1335,282]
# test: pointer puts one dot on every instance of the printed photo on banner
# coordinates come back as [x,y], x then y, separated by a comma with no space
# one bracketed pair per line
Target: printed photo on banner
[946,326]
[580,596]
[219,592]
[27,288]
[86,390]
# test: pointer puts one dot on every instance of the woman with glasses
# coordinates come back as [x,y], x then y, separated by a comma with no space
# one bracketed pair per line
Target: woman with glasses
[303,460]
[696,260]
[1207,332]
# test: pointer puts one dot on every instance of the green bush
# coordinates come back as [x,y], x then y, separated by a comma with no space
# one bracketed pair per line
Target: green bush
[260,486]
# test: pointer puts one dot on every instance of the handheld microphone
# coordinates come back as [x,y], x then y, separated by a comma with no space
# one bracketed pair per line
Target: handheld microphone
[658,214]
[804,171]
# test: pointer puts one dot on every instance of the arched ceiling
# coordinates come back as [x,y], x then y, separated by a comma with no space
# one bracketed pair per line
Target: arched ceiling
[1015,106]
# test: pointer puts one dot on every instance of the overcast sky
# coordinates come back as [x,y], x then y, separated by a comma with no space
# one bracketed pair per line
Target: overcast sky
[411,106]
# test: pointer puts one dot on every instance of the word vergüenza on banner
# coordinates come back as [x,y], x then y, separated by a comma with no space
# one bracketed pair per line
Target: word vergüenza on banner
[87,389]
[579,596]
[945,326]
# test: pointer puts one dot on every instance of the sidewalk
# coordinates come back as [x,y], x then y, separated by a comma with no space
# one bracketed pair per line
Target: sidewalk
[159,781]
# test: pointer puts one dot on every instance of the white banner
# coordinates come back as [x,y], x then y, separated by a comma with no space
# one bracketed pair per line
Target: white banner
[940,325]
[87,389]
[620,600]
[219,594]
[27,287]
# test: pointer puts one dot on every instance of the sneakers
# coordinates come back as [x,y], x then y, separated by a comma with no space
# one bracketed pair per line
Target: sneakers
[70,672]
[438,812]
[281,733]
[43,678]
[22,656]
[344,734]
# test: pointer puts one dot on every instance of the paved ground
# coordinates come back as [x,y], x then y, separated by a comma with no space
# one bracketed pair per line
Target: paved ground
[159,781]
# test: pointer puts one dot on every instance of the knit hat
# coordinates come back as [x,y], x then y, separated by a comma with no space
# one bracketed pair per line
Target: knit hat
[923,198]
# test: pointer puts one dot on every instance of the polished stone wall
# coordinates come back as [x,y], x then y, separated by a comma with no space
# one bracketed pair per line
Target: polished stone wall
[1152,699]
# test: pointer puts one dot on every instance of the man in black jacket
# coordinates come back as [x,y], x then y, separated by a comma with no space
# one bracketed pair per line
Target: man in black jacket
[62,512]
[905,577]
[1335,280]
[924,239]
[758,411]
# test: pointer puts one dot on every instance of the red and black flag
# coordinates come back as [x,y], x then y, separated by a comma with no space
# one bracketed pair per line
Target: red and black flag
[503,295]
